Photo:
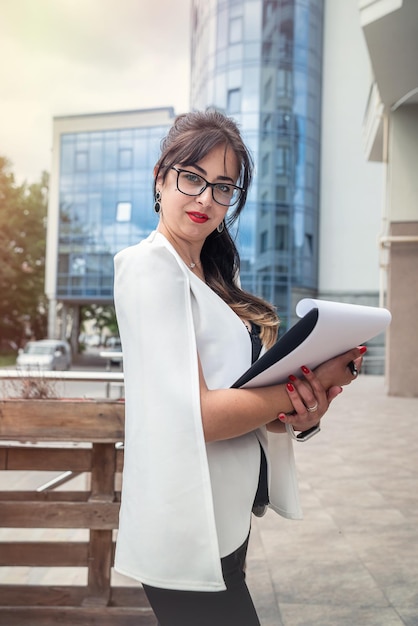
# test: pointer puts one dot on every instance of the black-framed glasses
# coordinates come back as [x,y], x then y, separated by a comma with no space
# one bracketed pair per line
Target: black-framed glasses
[192,184]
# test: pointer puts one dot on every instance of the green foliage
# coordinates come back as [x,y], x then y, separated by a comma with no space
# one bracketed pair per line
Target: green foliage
[7,359]
[104,316]
[23,210]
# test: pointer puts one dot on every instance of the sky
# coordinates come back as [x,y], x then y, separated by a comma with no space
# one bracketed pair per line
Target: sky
[69,57]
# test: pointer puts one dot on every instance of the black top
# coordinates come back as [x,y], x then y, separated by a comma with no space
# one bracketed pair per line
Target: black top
[255,342]
[261,497]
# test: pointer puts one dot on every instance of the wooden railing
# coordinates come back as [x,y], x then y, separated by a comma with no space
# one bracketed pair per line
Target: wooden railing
[39,435]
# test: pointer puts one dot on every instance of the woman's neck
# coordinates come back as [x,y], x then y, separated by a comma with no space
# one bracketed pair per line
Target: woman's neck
[187,251]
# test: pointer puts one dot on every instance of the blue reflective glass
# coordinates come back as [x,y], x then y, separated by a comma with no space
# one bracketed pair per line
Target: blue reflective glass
[98,170]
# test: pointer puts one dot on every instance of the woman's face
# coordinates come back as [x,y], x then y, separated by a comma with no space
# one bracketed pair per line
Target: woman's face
[193,218]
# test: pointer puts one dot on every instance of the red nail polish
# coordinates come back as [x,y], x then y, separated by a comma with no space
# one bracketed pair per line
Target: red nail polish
[305,369]
[292,378]
[290,387]
[363,349]
[281,416]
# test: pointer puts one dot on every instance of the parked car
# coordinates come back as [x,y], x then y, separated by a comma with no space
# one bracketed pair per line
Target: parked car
[114,343]
[46,354]
[113,352]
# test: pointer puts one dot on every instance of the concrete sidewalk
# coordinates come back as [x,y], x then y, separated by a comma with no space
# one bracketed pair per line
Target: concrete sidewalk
[353,560]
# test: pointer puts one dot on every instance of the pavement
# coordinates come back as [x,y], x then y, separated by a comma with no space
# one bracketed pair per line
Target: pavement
[353,559]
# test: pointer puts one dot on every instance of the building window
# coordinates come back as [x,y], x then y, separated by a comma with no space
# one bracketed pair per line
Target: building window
[308,244]
[235,30]
[284,83]
[264,203]
[282,161]
[281,237]
[281,296]
[267,90]
[269,10]
[125,159]
[281,194]
[283,122]
[81,161]
[267,125]
[263,241]
[78,266]
[265,165]
[266,288]
[123,211]
[267,50]
[234,100]
[310,176]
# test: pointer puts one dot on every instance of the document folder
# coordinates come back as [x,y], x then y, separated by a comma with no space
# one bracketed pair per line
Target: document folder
[325,330]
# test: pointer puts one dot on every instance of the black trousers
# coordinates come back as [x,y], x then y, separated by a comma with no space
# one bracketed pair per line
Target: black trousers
[232,607]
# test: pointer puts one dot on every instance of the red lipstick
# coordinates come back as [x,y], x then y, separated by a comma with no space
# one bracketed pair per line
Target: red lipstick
[198,218]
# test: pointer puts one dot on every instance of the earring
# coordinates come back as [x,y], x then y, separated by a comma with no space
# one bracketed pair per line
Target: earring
[220,227]
[157,203]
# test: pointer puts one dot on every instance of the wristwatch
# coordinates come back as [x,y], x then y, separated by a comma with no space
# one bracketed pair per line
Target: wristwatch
[305,434]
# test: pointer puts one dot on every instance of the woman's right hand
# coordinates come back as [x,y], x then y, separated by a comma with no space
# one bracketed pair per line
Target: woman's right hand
[310,402]
[312,394]
[337,372]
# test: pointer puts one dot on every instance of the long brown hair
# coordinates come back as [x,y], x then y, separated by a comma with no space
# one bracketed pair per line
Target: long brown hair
[192,136]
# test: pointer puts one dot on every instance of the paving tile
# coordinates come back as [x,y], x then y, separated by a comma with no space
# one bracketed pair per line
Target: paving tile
[325,615]
[409,616]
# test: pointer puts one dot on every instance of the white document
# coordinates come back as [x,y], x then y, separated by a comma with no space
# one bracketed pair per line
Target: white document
[326,329]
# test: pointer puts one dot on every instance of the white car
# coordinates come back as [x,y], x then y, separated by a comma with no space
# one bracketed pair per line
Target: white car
[47,354]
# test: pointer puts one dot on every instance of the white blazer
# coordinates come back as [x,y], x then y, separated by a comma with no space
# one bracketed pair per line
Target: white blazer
[185,503]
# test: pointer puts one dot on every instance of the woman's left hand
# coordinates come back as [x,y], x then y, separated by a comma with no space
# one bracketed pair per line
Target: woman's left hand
[310,401]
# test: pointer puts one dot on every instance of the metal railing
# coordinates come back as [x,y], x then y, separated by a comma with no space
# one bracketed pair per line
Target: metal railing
[108,377]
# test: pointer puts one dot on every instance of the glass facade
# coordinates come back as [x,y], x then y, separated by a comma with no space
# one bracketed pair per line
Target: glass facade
[260,62]
[105,204]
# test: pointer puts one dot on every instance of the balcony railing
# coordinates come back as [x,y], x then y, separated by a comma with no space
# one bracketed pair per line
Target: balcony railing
[373,126]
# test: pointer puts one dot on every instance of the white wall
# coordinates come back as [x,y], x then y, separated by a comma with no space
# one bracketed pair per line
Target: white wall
[351,188]
[403,164]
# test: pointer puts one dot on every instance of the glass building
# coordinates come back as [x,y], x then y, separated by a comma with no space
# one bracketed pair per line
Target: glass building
[100,201]
[260,61]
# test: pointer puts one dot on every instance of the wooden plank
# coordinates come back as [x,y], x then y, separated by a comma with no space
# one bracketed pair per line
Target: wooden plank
[101,544]
[3,458]
[51,616]
[128,596]
[47,496]
[48,459]
[44,553]
[98,515]
[99,566]
[103,472]
[41,595]
[66,595]
[54,459]
[61,420]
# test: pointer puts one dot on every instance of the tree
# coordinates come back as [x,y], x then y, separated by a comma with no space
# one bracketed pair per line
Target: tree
[103,316]
[23,210]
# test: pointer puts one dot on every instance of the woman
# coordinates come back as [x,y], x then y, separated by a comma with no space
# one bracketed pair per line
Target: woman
[196,451]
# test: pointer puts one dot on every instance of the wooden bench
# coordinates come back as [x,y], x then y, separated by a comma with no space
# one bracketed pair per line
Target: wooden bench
[78,436]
